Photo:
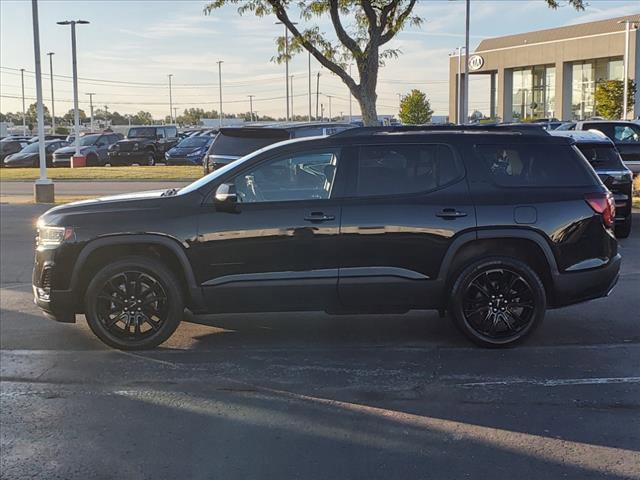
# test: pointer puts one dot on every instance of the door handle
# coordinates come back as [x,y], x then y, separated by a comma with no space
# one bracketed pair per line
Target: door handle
[450,214]
[319,217]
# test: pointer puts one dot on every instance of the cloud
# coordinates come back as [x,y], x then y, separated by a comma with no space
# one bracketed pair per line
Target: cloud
[596,14]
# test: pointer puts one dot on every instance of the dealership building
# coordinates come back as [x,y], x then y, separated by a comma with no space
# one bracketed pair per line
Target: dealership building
[552,73]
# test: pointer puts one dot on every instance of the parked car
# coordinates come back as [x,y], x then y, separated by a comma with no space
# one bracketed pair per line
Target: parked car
[603,156]
[29,156]
[9,146]
[493,227]
[48,137]
[94,147]
[625,135]
[144,145]
[190,151]
[232,143]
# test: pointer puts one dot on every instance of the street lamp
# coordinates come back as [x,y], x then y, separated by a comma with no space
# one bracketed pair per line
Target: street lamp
[251,105]
[465,100]
[628,24]
[24,113]
[170,99]
[91,108]
[43,188]
[293,115]
[220,62]
[286,61]
[53,109]
[329,97]
[76,112]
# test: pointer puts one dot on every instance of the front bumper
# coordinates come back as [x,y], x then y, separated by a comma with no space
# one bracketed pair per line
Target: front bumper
[576,287]
[50,283]
[128,157]
[183,160]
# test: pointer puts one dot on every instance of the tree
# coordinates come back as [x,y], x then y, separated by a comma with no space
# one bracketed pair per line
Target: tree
[32,114]
[415,108]
[362,29]
[68,117]
[609,98]
[142,118]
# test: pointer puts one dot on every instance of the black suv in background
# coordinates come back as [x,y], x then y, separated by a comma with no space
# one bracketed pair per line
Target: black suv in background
[144,145]
[625,135]
[232,143]
[93,146]
[605,159]
[492,224]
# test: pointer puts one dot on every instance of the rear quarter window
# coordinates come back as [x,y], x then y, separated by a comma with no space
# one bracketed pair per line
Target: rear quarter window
[240,145]
[528,165]
[601,156]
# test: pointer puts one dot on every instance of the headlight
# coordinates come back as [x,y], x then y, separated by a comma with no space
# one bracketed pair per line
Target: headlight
[53,235]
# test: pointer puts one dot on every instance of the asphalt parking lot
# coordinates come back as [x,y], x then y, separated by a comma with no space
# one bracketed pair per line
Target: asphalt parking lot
[314,396]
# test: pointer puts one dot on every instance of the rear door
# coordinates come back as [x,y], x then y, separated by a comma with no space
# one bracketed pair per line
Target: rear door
[403,206]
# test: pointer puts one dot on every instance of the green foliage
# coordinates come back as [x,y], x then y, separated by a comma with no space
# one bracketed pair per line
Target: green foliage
[415,108]
[609,98]
[62,130]
[68,117]
[32,114]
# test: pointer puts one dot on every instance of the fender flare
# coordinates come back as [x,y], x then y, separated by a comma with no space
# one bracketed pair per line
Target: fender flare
[149,239]
[495,234]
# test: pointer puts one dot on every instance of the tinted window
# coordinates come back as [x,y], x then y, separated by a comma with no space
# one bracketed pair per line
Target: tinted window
[142,132]
[194,142]
[160,132]
[402,169]
[300,176]
[626,133]
[518,165]
[240,146]
[600,155]
[172,132]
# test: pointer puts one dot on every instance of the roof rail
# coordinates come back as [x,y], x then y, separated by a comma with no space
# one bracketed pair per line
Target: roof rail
[526,129]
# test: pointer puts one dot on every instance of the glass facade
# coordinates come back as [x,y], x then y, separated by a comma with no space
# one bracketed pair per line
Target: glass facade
[534,92]
[585,79]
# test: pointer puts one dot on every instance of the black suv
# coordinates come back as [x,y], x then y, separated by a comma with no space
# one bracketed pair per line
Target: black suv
[143,145]
[625,135]
[491,224]
[603,156]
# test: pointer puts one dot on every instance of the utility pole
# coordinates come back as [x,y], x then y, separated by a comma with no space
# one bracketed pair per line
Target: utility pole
[465,104]
[53,109]
[91,109]
[251,105]
[170,99]
[175,114]
[43,188]
[309,86]
[106,114]
[220,62]
[24,113]
[459,87]
[330,97]
[322,111]
[399,101]
[286,63]
[293,115]
[76,111]
[317,93]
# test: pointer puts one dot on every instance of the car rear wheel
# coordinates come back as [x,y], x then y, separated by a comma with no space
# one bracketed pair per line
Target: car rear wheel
[497,302]
[151,159]
[134,303]
[624,230]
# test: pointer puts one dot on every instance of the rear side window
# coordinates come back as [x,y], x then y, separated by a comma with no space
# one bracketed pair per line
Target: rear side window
[404,169]
[526,165]
[171,132]
[239,146]
[600,155]
[626,134]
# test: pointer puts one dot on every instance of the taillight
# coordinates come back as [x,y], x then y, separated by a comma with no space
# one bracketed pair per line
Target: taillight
[603,204]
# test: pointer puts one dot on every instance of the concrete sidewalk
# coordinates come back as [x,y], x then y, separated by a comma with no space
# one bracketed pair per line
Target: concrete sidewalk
[22,192]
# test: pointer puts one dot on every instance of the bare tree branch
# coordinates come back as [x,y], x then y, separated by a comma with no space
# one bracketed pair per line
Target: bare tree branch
[346,40]
[397,25]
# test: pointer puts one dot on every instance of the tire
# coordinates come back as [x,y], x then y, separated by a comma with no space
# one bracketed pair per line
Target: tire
[624,230]
[497,302]
[116,305]
[151,159]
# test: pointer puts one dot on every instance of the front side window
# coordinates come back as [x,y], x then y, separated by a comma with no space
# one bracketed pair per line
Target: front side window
[295,177]
[160,132]
[524,165]
[404,169]
[172,132]
[626,134]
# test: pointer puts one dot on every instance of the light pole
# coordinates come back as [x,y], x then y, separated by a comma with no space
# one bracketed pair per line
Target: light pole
[329,97]
[465,100]
[459,102]
[293,115]
[175,114]
[76,112]
[53,109]
[251,105]
[625,97]
[24,113]
[170,99]
[317,93]
[220,62]
[286,62]
[309,86]
[399,101]
[43,188]
[91,109]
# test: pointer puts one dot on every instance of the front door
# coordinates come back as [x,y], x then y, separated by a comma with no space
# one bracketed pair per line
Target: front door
[403,206]
[276,249]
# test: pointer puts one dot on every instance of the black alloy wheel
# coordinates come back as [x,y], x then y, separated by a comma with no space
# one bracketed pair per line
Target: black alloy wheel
[134,303]
[498,302]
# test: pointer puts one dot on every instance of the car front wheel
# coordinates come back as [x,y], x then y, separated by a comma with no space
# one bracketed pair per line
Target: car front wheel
[497,302]
[134,303]
[151,159]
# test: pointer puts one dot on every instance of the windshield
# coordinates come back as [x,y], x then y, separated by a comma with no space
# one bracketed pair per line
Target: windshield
[31,148]
[217,173]
[142,132]
[600,155]
[238,146]
[194,142]
[88,140]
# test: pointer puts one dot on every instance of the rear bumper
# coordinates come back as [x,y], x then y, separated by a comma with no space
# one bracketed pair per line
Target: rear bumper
[576,287]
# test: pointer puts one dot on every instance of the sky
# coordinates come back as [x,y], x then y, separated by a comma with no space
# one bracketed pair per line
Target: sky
[127,51]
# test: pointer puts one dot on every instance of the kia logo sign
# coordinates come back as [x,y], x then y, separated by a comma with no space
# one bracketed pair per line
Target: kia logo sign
[475,62]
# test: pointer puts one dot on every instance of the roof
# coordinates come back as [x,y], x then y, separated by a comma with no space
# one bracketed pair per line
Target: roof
[610,25]
[583,136]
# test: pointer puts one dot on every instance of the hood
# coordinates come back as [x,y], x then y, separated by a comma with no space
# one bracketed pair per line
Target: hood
[71,149]
[185,150]
[17,157]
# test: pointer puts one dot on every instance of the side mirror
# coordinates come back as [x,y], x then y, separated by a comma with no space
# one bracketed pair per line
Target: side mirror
[226,194]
